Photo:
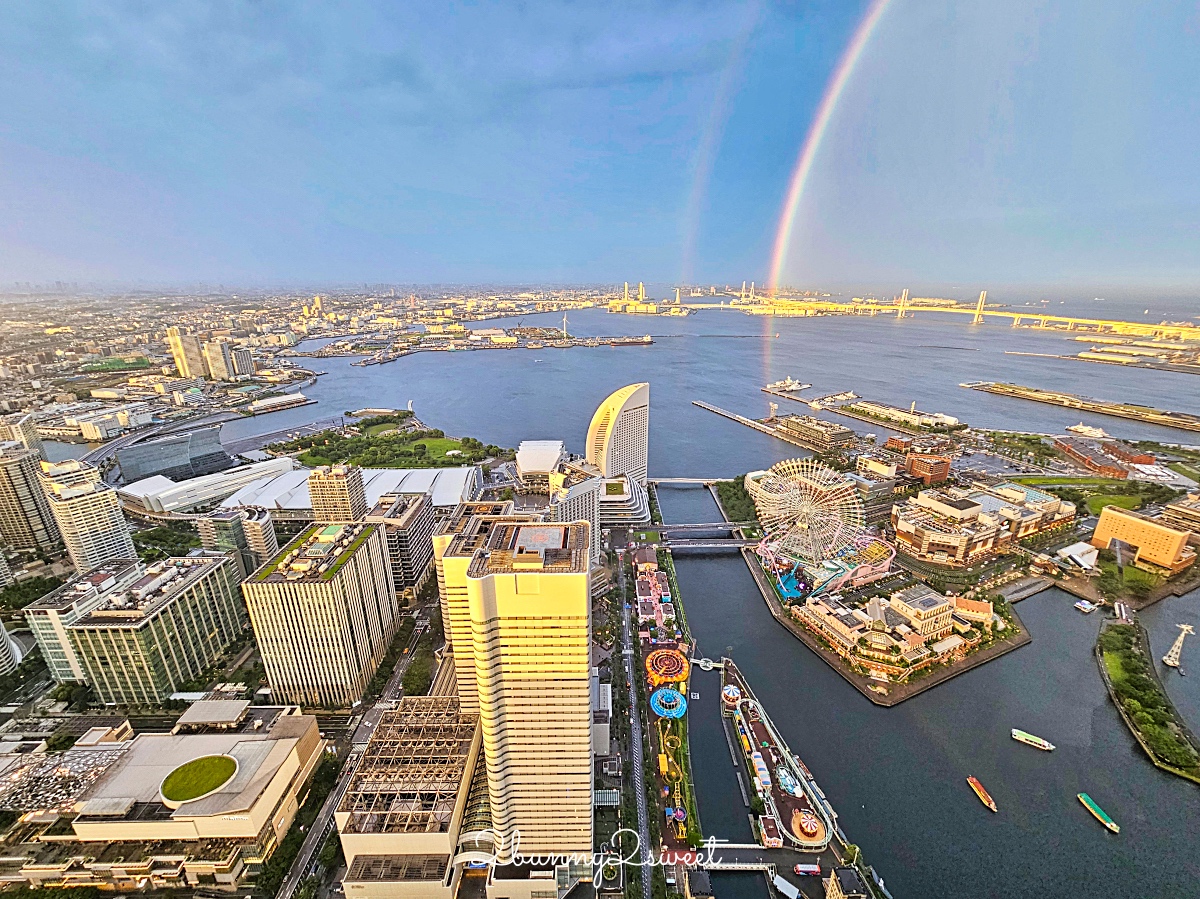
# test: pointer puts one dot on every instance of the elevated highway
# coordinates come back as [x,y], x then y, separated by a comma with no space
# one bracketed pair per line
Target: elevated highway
[979,312]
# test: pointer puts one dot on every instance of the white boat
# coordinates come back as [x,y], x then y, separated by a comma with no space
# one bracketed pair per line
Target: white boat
[1086,607]
[788,384]
[1087,431]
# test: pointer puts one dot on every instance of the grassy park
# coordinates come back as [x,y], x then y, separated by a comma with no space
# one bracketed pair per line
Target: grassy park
[386,444]
[1142,700]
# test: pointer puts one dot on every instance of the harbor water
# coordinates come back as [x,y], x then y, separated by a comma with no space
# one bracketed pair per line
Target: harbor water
[896,776]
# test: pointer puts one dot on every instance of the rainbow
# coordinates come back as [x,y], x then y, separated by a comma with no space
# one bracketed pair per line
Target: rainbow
[816,133]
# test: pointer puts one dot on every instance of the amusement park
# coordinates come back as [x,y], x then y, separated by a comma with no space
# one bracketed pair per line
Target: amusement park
[815,540]
[831,580]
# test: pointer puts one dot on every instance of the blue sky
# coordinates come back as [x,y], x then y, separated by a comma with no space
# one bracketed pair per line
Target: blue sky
[286,142]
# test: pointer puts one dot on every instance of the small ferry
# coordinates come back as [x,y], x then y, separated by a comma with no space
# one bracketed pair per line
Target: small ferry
[1087,431]
[1030,740]
[1098,813]
[788,384]
[1086,607]
[983,794]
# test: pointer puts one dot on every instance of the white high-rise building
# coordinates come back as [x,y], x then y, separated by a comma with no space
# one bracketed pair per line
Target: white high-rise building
[88,514]
[26,521]
[323,612]
[218,358]
[243,361]
[22,427]
[246,533]
[575,496]
[618,438]
[49,617]
[337,493]
[528,596]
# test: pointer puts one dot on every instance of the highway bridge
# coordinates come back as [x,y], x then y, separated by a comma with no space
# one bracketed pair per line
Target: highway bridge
[904,307]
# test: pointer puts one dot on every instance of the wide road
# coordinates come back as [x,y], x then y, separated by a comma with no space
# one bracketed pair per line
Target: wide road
[320,827]
[392,692]
[635,720]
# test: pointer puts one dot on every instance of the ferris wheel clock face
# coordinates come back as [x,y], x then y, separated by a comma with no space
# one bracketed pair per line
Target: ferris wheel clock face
[808,510]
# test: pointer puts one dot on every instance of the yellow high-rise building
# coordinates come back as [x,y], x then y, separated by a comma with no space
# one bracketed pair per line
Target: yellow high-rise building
[529,601]
[454,546]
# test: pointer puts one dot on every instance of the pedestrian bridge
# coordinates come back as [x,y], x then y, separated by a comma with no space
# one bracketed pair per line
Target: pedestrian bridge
[710,526]
[685,482]
[710,543]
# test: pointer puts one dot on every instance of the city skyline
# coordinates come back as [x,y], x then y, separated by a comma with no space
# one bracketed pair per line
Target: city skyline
[341,556]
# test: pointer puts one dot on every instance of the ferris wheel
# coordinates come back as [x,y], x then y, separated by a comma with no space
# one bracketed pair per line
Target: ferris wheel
[807,510]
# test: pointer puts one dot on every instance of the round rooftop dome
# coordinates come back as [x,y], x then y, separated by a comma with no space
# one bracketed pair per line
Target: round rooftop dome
[196,779]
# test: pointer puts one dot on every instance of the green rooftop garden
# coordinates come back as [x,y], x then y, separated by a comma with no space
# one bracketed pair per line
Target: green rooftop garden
[198,777]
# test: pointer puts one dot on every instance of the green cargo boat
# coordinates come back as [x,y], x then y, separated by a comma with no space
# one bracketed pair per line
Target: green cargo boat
[1100,814]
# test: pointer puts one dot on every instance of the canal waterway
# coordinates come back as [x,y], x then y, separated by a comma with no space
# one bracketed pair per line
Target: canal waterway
[896,776]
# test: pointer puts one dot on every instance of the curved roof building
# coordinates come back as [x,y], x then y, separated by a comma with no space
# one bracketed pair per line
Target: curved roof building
[618,439]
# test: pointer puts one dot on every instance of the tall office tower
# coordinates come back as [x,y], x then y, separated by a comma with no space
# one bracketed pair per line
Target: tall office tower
[6,577]
[323,612]
[143,643]
[407,520]
[454,546]
[530,605]
[618,438]
[50,616]
[188,354]
[22,427]
[243,361]
[88,513]
[246,533]
[337,493]
[218,358]
[26,521]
